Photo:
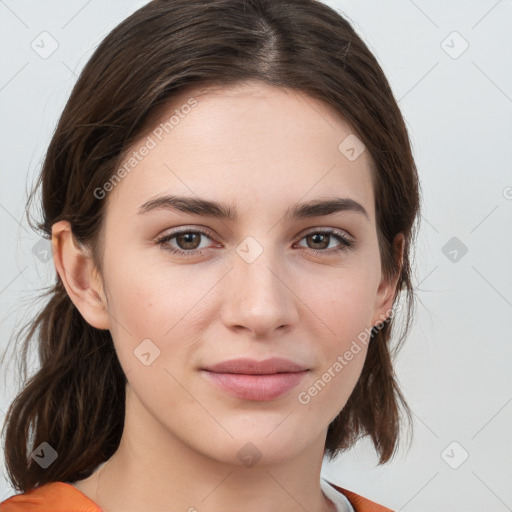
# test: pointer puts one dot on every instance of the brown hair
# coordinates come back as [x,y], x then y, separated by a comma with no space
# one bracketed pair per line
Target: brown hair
[76,400]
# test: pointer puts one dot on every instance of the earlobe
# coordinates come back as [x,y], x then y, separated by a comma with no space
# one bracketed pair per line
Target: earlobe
[79,276]
[387,288]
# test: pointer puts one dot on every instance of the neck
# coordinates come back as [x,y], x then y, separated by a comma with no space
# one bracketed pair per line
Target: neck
[160,472]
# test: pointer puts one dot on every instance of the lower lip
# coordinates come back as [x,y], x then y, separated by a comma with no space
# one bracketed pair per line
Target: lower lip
[255,387]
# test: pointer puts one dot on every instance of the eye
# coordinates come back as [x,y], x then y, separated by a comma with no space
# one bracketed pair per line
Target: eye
[187,239]
[321,240]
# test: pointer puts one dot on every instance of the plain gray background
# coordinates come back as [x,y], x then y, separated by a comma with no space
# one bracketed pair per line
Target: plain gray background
[449,66]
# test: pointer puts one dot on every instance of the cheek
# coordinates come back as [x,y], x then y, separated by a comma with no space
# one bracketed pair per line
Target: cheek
[146,294]
[149,319]
[343,347]
[343,313]
[164,305]
[344,303]
[325,395]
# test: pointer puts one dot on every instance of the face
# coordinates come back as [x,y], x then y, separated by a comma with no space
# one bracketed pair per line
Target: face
[189,289]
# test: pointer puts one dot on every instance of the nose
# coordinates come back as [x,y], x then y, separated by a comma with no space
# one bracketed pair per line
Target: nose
[259,292]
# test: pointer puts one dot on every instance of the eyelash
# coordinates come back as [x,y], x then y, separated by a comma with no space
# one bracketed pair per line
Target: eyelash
[346,243]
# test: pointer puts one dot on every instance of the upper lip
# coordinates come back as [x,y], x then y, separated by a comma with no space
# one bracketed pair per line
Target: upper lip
[253,367]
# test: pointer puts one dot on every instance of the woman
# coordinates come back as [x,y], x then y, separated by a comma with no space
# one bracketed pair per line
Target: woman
[231,198]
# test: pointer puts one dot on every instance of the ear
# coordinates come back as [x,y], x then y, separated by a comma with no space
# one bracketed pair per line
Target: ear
[387,288]
[79,276]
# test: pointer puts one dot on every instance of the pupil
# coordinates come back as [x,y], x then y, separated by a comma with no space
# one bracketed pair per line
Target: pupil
[188,238]
[324,237]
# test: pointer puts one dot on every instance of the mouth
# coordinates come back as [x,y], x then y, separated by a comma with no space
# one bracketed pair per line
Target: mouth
[249,379]
[255,387]
[253,367]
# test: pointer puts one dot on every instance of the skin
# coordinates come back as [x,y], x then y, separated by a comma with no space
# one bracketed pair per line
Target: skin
[261,149]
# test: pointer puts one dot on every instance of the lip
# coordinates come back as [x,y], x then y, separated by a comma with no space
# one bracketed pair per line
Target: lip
[259,388]
[249,379]
[254,367]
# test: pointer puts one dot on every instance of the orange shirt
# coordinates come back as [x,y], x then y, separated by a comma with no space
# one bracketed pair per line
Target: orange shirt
[64,497]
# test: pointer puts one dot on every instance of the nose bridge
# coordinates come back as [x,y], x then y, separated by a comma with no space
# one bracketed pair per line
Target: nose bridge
[255,265]
[260,300]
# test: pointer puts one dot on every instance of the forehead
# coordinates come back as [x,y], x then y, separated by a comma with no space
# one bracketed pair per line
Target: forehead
[250,144]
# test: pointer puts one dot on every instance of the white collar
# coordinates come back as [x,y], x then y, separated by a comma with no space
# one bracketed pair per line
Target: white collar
[340,500]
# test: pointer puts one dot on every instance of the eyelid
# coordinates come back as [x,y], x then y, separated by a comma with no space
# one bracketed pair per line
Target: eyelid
[187,229]
[346,240]
[206,231]
[161,239]
[333,230]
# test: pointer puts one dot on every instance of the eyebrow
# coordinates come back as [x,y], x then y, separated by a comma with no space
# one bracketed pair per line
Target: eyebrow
[207,208]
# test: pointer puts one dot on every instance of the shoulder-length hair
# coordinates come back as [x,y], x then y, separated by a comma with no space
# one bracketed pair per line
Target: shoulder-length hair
[76,400]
